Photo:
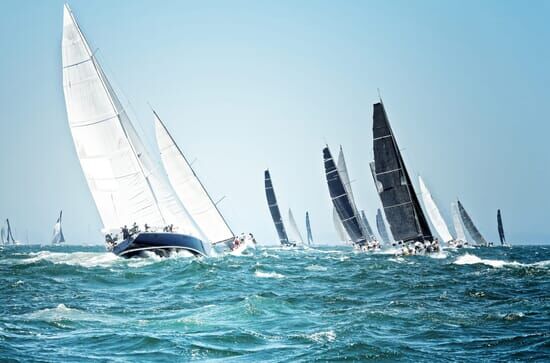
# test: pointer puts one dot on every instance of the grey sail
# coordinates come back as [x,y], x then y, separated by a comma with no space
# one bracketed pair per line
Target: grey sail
[401,206]
[308,229]
[9,237]
[470,226]
[367,225]
[58,231]
[341,200]
[3,236]
[381,226]
[274,209]
[500,228]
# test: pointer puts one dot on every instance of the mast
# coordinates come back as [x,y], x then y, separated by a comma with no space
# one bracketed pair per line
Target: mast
[394,186]
[500,229]
[341,200]
[189,188]
[308,229]
[274,209]
[470,226]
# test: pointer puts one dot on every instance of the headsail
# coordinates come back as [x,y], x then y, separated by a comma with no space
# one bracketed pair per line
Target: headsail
[500,228]
[274,209]
[57,231]
[308,229]
[433,212]
[189,188]
[470,226]
[457,222]
[342,234]
[367,224]
[381,227]
[401,206]
[126,185]
[295,232]
[341,200]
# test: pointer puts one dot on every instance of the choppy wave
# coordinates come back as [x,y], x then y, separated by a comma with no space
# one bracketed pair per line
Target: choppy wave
[471,259]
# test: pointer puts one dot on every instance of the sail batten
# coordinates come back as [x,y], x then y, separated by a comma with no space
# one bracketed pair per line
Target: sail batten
[433,212]
[189,188]
[394,186]
[274,209]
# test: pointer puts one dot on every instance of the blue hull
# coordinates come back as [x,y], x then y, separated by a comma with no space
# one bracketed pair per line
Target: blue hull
[160,243]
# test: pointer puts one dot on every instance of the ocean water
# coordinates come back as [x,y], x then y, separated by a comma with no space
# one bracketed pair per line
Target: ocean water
[81,304]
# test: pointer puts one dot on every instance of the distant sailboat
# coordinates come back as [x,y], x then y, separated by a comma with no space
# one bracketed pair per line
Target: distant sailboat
[341,200]
[394,186]
[57,231]
[367,225]
[433,213]
[501,229]
[274,210]
[295,233]
[189,188]
[381,227]
[9,235]
[470,226]
[308,229]
[3,236]
[457,223]
[128,188]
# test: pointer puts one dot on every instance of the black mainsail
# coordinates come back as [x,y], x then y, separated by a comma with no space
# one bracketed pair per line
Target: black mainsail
[500,228]
[341,200]
[381,227]
[274,209]
[308,228]
[470,226]
[401,205]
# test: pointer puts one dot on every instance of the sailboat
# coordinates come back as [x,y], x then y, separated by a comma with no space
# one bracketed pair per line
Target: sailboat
[434,215]
[9,235]
[341,200]
[274,210]
[401,206]
[295,233]
[3,236]
[501,230]
[381,227]
[367,225]
[194,196]
[308,230]
[58,237]
[460,240]
[470,226]
[128,188]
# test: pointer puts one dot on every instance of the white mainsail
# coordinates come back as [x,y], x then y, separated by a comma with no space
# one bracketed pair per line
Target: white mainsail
[57,231]
[189,188]
[294,231]
[433,212]
[459,228]
[126,186]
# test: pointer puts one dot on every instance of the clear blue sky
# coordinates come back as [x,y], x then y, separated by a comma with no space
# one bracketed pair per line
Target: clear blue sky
[245,85]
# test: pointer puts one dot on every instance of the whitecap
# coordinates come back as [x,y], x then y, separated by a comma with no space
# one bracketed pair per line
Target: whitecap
[316,268]
[84,259]
[272,275]
[323,336]
[468,259]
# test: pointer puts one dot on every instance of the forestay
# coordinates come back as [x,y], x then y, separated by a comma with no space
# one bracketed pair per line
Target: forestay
[433,212]
[124,182]
[189,188]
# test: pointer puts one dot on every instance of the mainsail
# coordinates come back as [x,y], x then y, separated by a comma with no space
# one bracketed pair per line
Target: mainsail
[294,231]
[342,235]
[189,188]
[401,206]
[126,185]
[433,212]
[9,234]
[500,228]
[274,209]
[367,224]
[457,222]
[381,227]
[341,200]
[470,226]
[57,231]
[308,229]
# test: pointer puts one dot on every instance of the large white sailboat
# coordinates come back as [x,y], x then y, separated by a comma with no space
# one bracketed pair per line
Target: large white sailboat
[138,207]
